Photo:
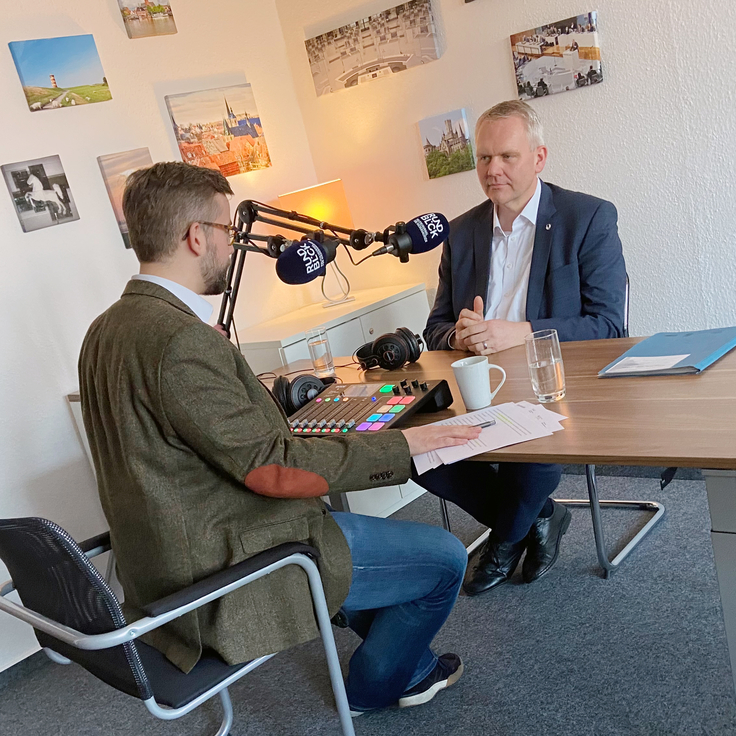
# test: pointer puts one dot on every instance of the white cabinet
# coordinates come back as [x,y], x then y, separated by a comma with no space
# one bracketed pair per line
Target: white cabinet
[411,311]
[374,312]
[273,344]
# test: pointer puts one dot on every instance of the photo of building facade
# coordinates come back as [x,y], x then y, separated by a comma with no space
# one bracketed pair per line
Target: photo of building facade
[146,18]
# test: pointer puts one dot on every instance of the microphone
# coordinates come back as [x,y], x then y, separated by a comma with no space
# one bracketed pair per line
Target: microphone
[419,235]
[305,261]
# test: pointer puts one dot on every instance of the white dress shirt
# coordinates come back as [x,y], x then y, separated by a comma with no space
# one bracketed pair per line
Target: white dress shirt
[511,259]
[200,306]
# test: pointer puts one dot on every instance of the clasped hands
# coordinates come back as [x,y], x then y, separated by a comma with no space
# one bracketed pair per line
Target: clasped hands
[483,337]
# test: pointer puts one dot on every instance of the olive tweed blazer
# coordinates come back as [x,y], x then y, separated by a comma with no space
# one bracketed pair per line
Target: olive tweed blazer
[176,423]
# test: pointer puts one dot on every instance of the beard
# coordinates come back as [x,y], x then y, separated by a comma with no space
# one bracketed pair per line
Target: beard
[213,274]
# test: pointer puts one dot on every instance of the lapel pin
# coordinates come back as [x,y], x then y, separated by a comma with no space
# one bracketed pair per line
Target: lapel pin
[548,226]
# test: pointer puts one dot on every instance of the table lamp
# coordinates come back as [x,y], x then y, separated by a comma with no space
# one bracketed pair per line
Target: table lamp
[326,202]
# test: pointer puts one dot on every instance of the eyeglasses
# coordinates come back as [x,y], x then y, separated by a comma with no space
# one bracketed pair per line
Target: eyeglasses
[231,230]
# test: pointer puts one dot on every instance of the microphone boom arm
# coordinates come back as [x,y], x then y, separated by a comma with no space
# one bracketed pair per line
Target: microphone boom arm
[251,211]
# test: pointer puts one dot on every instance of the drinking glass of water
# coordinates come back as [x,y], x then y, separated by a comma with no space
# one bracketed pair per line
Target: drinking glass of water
[320,353]
[544,358]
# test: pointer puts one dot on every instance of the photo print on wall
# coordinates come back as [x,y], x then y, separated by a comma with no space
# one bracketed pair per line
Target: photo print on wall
[116,168]
[374,47]
[557,57]
[40,193]
[447,145]
[60,72]
[219,129]
[144,18]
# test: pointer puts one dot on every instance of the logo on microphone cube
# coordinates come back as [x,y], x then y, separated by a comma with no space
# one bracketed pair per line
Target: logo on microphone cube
[433,223]
[312,257]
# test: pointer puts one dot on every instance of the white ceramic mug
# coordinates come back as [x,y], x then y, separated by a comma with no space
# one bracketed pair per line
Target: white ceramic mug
[474,383]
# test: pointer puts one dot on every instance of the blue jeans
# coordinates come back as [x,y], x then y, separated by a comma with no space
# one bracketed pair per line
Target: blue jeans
[406,578]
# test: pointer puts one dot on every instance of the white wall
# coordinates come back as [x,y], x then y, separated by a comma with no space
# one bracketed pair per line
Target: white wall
[53,282]
[656,137]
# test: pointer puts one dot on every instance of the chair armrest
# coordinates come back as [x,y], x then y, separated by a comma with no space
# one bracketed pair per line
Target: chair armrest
[101,540]
[159,612]
[224,577]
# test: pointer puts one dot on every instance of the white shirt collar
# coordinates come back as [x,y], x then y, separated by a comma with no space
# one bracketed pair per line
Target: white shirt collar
[529,213]
[200,306]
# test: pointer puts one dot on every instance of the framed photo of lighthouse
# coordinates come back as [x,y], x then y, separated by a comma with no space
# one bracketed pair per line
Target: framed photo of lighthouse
[40,193]
[557,57]
[60,72]
[447,144]
[219,129]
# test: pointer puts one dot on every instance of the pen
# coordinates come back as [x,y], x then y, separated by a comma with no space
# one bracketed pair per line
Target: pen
[489,423]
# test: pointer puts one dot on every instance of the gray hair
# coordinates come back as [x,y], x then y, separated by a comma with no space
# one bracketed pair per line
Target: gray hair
[519,109]
[160,202]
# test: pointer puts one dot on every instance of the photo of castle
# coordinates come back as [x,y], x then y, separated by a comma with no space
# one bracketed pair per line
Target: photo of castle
[374,47]
[447,145]
[219,129]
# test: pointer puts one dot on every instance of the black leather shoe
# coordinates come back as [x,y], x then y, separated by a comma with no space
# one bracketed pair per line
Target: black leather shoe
[543,543]
[495,566]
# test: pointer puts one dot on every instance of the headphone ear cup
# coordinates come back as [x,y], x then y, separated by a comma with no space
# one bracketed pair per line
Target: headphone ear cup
[391,351]
[365,357]
[280,391]
[413,341]
[303,389]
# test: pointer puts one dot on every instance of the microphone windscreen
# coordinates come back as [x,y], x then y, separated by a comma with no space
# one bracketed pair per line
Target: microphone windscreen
[427,231]
[302,262]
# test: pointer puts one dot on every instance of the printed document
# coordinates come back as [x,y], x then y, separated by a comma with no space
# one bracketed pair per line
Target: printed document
[514,423]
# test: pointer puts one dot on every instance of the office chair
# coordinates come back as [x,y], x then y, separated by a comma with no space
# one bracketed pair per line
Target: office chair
[77,617]
[609,566]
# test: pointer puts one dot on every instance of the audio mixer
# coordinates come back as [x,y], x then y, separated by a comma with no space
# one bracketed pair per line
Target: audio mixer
[368,407]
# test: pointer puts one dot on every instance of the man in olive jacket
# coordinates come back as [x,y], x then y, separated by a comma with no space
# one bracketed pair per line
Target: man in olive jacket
[197,470]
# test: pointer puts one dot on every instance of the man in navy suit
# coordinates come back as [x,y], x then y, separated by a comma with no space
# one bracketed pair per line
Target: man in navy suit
[532,257]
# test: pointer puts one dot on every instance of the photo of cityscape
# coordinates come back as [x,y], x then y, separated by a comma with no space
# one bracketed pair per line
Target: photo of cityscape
[40,193]
[60,72]
[116,168]
[557,57]
[144,18]
[446,143]
[375,47]
[219,129]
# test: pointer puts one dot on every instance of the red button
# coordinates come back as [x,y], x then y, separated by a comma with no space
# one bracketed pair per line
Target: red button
[407,399]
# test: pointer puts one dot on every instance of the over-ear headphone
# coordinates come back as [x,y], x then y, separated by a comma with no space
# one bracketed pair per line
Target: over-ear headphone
[292,395]
[391,351]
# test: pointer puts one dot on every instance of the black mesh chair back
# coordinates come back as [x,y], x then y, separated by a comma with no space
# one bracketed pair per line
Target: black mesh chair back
[54,578]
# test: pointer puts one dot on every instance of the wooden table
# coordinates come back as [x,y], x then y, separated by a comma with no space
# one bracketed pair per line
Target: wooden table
[682,421]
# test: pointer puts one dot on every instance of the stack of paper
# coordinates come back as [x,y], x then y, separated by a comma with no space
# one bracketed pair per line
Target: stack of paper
[514,423]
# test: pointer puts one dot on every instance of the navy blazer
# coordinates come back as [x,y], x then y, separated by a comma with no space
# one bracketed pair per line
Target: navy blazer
[577,279]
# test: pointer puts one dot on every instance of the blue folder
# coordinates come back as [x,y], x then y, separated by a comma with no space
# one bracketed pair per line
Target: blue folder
[700,349]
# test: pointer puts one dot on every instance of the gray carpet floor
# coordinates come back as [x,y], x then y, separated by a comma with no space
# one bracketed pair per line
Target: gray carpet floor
[642,654]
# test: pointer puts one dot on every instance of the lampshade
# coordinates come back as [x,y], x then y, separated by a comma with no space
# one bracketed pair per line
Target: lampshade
[325,202]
